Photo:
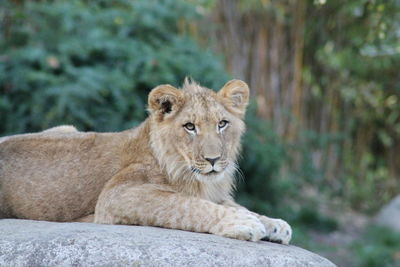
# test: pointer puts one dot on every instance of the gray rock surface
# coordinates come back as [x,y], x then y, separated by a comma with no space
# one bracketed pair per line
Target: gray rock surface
[36,243]
[389,215]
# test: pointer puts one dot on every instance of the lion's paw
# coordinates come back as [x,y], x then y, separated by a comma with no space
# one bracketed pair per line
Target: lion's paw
[240,225]
[277,230]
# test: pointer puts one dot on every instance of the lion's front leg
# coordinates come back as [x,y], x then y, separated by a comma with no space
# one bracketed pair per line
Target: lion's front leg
[155,205]
[277,230]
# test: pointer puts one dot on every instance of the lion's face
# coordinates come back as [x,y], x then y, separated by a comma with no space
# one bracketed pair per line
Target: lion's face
[195,131]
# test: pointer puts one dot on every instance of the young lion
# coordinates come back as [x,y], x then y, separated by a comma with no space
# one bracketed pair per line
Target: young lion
[175,170]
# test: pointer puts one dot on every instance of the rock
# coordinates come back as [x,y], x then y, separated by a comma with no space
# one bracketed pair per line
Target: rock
[38,243]
[389,215]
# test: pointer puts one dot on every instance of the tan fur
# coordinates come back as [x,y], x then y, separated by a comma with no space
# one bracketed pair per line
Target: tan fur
[162,173]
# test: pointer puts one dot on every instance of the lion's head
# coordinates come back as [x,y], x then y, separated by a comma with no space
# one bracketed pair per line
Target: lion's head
[195,132]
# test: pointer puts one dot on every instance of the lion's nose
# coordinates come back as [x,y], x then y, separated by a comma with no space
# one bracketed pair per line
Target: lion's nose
[212,160]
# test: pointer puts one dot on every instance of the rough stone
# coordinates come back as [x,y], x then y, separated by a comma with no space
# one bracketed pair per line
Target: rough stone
[38,243]
[389,215]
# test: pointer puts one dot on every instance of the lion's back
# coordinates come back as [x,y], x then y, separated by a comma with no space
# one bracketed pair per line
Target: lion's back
[51,175]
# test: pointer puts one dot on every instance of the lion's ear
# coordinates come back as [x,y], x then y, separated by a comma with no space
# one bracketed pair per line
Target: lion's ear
[164,100]
[235,96]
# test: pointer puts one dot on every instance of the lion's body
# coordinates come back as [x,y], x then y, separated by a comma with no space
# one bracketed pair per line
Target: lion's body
[160,173]
[58,176]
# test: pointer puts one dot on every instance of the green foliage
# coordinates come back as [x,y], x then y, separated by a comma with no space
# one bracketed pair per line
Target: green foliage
[352,60]
[92,63]
[378,247]
[263,155]
[316,221]
[301,237]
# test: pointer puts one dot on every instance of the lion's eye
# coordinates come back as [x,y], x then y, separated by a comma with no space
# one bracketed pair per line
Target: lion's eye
[189,126]
[222,124]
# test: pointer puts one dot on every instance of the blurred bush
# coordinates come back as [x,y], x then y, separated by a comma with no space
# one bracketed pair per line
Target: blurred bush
[262,157]
[92,63]
[351,73]
[378,246]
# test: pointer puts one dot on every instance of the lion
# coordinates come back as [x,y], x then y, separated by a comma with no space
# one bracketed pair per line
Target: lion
[175,170]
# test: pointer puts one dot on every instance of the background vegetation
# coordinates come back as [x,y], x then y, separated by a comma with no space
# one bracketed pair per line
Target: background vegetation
[323,127]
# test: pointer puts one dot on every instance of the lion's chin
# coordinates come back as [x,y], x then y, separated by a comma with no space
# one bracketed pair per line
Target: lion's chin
[212,176]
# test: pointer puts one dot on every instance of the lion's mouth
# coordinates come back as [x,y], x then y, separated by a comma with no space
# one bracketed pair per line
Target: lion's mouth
[195,170]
